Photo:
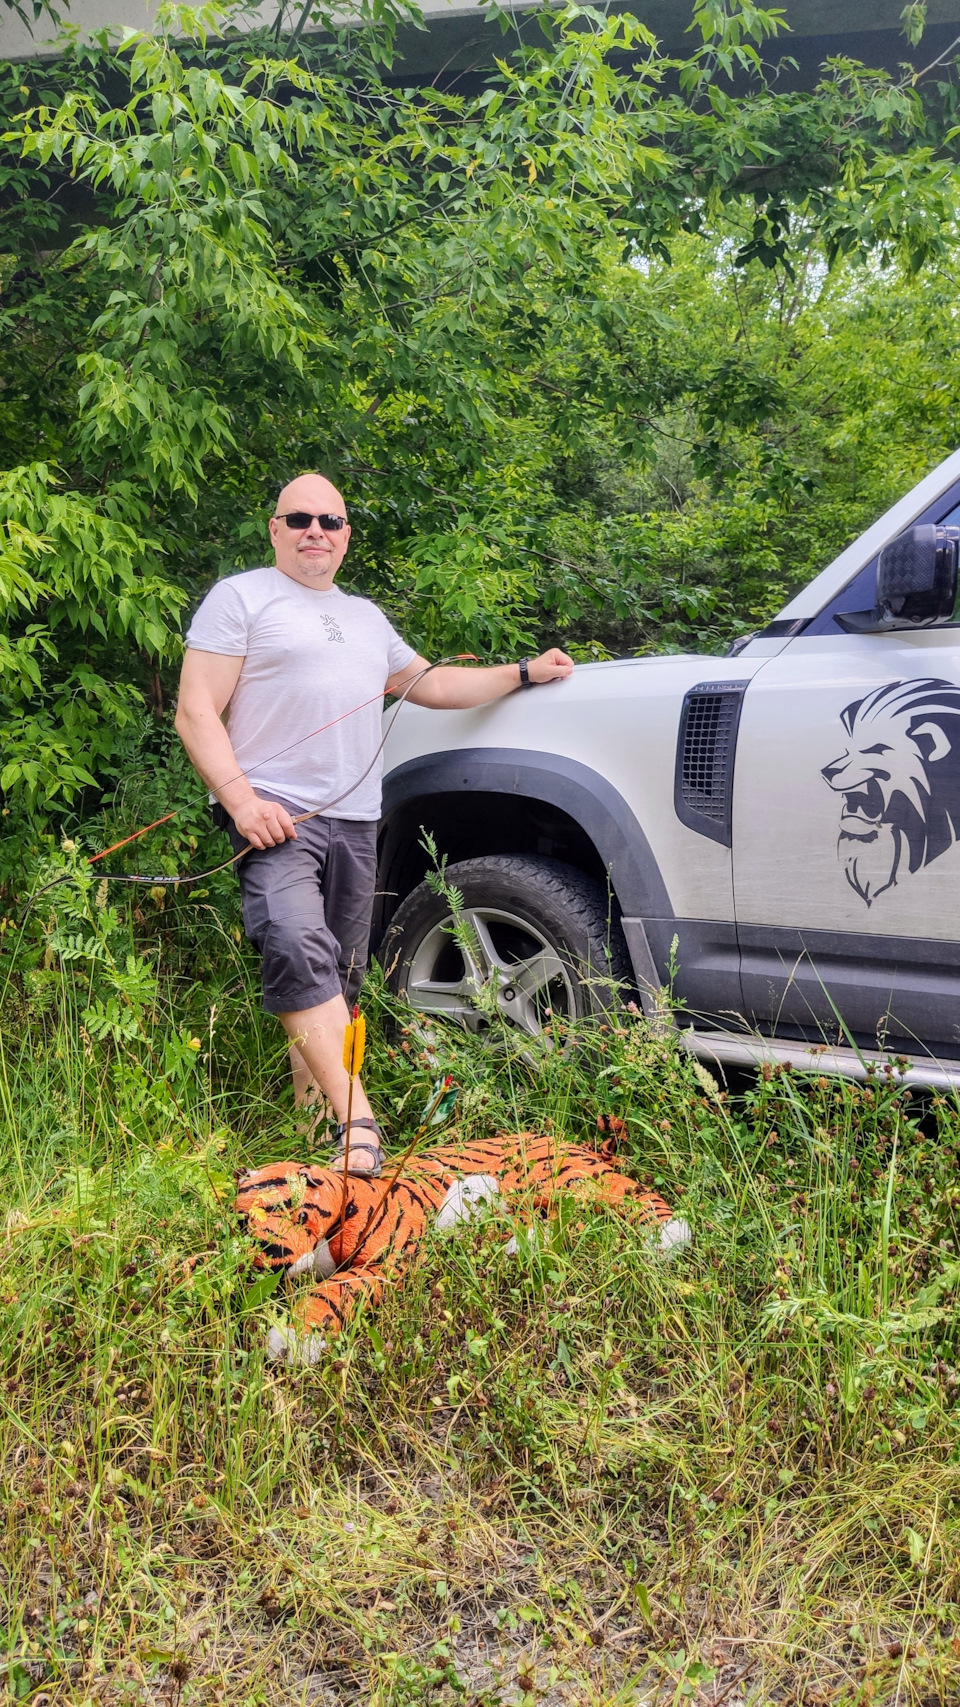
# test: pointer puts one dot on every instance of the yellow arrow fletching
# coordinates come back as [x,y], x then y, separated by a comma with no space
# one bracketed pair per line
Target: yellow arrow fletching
[354,1041]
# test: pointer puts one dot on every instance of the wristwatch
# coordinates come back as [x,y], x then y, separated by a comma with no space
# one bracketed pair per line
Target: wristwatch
[523,665]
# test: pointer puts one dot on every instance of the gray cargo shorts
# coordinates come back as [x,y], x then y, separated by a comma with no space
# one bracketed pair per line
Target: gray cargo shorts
[307,906]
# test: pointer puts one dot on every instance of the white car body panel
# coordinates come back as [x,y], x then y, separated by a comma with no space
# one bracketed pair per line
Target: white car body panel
[620,720]
[787,816]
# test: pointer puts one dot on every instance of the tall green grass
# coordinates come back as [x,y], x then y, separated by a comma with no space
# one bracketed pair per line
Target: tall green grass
[576,1475]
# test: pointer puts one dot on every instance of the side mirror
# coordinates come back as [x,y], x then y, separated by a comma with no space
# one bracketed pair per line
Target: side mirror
[916,582]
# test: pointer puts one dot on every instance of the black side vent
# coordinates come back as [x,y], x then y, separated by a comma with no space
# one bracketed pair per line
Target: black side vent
[706,749]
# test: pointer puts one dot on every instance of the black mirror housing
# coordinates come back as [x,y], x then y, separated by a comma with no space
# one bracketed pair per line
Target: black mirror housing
[916,582]
[917,575]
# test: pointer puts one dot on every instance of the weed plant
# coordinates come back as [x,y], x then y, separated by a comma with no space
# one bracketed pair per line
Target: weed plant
[579,1474]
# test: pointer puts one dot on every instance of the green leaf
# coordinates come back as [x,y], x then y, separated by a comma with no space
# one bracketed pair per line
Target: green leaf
[260,1291]
[913,20]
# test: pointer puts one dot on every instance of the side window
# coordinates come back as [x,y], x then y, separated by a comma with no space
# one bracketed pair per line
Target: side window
[861,592]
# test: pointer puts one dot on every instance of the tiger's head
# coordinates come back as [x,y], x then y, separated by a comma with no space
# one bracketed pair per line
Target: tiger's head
[900,782]
[289,1209]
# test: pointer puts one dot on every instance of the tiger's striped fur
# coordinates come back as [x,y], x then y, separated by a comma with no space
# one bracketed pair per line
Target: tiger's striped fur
[298,1214]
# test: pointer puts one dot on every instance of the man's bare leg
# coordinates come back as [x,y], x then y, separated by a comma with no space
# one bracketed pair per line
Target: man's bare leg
[306,1094]
[316,1036]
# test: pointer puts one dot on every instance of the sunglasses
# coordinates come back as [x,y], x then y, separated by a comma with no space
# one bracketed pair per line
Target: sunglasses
[302,519]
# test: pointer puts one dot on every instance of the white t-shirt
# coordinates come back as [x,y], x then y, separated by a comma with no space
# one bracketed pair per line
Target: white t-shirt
[309,656]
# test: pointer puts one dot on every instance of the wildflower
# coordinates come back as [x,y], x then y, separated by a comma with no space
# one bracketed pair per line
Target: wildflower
[706,1080]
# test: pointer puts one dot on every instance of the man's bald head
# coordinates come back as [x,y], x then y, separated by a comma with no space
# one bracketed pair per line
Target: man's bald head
[310,492]
[312,553]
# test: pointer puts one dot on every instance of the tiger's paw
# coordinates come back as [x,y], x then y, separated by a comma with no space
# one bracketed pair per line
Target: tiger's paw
[464,1199]
[287,1346]
[674,1237]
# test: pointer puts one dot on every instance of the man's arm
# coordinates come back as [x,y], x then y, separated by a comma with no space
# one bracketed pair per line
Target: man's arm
[206,682]
[455,687]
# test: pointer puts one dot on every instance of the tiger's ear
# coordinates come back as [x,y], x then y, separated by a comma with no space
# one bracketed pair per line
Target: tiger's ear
[614,1128]
[611,1124]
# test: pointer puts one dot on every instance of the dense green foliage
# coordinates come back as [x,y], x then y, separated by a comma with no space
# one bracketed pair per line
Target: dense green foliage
[576,1467]
[599,355]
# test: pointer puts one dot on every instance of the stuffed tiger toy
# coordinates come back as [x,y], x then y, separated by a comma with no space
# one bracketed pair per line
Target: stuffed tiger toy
[354,1243]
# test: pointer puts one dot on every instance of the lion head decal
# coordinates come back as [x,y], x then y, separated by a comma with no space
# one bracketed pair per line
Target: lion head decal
[900,782]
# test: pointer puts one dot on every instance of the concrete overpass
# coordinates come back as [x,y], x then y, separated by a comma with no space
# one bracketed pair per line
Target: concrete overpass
[458,45]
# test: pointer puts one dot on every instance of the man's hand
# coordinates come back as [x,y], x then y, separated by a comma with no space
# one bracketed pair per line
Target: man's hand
[552,666]
[263,823]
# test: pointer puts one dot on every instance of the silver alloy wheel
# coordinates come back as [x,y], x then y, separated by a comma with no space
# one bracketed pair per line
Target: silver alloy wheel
[508,954]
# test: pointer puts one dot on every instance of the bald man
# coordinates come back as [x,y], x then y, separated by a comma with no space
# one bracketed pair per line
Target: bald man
[271,655]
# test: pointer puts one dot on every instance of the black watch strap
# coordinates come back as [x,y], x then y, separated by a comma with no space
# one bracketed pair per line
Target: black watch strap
[523,665]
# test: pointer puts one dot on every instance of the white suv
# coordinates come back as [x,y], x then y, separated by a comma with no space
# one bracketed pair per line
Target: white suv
[774,834]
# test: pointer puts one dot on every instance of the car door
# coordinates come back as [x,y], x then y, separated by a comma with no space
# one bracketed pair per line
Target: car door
[846,818]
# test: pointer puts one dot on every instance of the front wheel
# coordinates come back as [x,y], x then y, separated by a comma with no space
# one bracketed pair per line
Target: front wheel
[538,942]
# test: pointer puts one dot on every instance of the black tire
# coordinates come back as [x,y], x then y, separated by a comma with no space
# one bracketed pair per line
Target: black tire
[555,926]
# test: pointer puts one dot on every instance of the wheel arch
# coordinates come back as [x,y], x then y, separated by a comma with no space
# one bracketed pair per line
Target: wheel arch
[482,800]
